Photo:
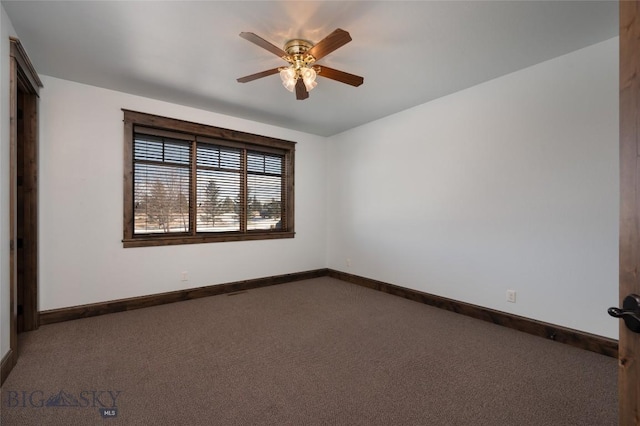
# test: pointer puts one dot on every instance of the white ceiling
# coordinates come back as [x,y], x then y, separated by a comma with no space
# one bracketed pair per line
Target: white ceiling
[409,53]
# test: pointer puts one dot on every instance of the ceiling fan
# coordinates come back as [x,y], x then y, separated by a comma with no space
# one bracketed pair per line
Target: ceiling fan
[302,56]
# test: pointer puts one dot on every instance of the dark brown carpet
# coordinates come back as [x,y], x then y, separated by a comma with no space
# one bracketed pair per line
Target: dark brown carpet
[320,351]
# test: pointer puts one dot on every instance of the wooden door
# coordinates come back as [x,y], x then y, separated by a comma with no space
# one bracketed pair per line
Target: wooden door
[629,342]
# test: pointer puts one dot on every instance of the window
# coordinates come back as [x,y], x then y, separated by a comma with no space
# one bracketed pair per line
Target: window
[189,183]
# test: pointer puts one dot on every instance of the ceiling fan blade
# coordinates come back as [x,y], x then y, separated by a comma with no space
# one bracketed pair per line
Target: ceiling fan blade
[333,41]
[341,76]
[264,44]
[301,90]
[257,75]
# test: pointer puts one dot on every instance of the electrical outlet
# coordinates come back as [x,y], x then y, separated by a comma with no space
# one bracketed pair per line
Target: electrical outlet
[185,276]
[348,262]
[511,296]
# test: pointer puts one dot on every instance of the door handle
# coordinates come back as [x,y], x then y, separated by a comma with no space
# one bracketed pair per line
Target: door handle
[630,312]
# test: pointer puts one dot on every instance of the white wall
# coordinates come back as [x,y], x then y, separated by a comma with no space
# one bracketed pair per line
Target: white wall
[81,161]
[6,30]
[511,184]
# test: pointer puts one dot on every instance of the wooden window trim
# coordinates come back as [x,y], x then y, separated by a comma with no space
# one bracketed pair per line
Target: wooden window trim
[162,126]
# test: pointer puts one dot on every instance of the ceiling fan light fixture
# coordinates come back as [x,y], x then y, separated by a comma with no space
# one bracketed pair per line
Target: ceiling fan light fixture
[288,76]
[309,78]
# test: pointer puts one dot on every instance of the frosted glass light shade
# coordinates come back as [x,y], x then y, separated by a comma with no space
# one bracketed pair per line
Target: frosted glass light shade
[288,76]
[309,78]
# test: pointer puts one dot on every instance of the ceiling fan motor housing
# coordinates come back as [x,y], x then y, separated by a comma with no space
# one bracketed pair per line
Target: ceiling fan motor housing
[296,49]
[297,46]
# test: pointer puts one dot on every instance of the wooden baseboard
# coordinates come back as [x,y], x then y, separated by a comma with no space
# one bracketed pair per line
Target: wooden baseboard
[568,336]
[6,365]
[91,310]
[590,342]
